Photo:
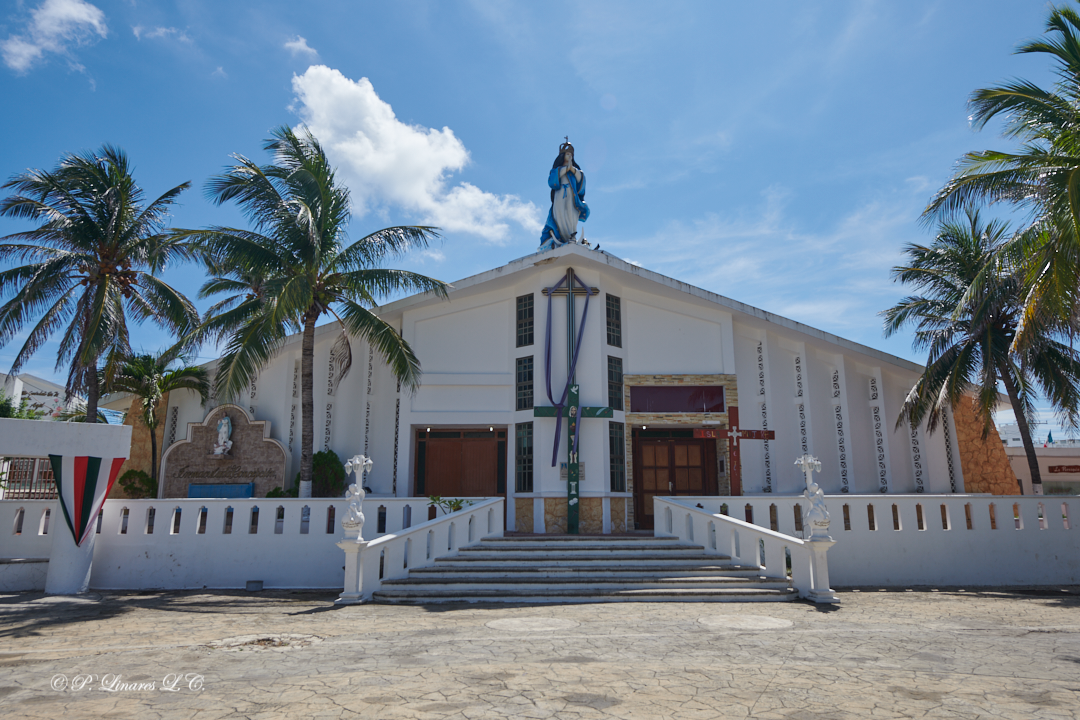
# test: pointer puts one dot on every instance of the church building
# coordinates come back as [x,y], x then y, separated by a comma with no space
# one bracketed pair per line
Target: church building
[675,391]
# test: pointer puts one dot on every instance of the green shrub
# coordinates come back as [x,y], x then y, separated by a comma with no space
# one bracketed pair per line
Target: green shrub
[327,475]
[292,492]
[137,484]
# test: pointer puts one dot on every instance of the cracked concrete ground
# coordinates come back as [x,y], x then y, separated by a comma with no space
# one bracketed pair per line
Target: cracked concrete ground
[924,654]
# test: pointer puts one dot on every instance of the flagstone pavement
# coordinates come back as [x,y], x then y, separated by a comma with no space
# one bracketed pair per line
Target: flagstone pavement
[924,654]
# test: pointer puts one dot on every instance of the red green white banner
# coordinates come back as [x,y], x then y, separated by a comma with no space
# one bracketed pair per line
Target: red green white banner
[83,483]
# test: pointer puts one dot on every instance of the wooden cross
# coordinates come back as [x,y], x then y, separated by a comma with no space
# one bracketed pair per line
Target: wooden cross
[735,435]
[572,410]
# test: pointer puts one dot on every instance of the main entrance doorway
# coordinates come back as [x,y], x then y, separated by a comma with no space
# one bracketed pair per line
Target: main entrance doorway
[670,462]
[460,463]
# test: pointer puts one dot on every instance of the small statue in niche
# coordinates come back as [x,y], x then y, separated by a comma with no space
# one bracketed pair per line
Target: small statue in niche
[224,431]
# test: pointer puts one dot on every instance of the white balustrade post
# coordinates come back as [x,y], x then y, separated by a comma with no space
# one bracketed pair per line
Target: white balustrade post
[353,592]
[353,543]
[820,592]
[816,520]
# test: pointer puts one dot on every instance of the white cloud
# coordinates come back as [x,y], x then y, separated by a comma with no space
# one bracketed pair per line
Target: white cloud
[386,162]
[160,32]
[220,72]
[299,46]
[55,26]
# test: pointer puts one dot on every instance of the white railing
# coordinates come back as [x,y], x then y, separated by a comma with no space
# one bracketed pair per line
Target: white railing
[204,542]
[393,555]
[898,540]
[747,545]
[26,528]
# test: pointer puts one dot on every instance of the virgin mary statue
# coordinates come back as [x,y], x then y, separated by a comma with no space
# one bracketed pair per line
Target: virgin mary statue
[568,207]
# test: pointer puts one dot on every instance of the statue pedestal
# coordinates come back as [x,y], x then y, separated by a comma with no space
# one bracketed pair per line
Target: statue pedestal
[353,593]
[820,592]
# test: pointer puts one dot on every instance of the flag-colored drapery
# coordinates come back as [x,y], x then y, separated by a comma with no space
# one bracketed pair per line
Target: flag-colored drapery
[83,483]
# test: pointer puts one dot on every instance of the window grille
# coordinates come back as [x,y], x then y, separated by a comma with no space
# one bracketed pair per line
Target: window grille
[614,321]
[617,448]
[614,383]
[525,383]
[523,457]
[525,320]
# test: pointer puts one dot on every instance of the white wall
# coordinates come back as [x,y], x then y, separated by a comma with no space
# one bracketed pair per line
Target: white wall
[1024,551]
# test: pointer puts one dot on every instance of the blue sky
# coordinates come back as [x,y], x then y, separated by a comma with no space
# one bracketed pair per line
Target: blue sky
[776,153]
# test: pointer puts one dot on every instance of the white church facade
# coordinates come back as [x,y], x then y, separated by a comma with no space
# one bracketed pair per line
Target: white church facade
[681,392]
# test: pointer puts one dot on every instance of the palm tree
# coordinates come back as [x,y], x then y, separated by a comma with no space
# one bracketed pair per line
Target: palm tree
[966,318]
[295,266]
[149,378]
[1041,177]
[91,264]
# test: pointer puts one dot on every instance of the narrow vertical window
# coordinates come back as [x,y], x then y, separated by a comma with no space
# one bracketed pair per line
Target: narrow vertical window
[617,452]
[523,457]
[614,321]
[525,383]
[525,320]
[614,383]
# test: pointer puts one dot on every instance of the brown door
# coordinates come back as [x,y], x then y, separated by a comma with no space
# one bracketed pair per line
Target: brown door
[668,466]
[461,463]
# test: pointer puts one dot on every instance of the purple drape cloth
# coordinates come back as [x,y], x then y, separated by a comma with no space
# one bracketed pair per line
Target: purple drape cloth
[573,366]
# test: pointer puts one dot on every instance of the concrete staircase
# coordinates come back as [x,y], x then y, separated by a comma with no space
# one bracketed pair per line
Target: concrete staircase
[577,569]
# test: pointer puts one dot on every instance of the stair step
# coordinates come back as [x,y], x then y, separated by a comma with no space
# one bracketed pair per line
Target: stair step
[558,584]
[509,556]
[524,595]
[584,546]
[589,571]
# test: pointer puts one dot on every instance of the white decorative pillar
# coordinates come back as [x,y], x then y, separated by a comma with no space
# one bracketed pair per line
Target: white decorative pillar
[816,520]
[353,543]
[69,564]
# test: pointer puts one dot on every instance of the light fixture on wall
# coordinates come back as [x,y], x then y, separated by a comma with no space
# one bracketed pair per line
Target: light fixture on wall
[429,429]
[491,429]
[644,426]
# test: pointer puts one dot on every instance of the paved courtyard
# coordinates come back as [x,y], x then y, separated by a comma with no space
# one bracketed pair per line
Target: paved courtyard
[941,654]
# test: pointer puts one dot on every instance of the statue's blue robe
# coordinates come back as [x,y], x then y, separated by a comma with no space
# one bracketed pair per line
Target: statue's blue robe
[549,236]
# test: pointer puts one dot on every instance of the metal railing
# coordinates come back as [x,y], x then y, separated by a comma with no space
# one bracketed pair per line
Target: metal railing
[27,478]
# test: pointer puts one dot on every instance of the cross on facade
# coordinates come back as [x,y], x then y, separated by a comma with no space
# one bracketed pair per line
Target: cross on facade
[570,401]
[735,435]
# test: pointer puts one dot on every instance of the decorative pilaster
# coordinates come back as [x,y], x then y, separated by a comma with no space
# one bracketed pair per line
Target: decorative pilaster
[763,401]
[839,401]
[881,441]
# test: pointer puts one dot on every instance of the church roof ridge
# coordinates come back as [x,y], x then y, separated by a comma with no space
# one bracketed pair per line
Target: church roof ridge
[527,262]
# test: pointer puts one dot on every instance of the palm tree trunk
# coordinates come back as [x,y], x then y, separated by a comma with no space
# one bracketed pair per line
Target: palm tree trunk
[307,404]
[153,454]
[93,393]
[1025,433]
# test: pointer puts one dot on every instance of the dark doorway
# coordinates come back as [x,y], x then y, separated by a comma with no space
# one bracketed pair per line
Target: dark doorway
[460,463]
[670,462]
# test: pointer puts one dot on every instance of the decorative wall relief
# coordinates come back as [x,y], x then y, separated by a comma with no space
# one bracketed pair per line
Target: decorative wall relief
[397,434]
[253,391]
[879,437]
[173,413]
[367,399]
[948,449]
[917,461]
[329,419]
[764,414]
[841,442]
[799,394]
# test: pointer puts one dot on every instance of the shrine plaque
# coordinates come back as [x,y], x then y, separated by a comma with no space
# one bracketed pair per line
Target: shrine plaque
[1064,468]
[237,453]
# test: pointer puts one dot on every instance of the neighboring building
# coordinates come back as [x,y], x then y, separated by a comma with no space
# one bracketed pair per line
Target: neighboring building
[1059,467]
[1010,437]
[680,368]
[42,395]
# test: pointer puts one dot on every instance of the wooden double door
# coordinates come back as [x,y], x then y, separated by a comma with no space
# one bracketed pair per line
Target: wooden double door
[670,463]
[461,463]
